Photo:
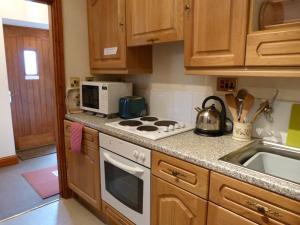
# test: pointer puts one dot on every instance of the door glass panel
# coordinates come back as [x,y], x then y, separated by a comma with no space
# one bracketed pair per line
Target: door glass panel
[90,96]
[30,62]
[271,14]
[124,186]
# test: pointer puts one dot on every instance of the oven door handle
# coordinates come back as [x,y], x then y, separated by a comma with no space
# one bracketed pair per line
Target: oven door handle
[128,169]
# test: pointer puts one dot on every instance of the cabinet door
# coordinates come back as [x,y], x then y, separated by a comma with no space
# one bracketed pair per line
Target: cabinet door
[220,216]
[83,173]
[174,206]
[106,21]
[150,21]
[215,32]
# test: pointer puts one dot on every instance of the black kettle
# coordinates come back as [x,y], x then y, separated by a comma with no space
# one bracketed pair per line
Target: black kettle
[210,121]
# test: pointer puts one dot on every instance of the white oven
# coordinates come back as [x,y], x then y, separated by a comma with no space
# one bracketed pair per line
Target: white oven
[125,178]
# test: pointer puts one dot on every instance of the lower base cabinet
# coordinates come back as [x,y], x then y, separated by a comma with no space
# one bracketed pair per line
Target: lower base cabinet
[113,217]
[220,216]
[172,205]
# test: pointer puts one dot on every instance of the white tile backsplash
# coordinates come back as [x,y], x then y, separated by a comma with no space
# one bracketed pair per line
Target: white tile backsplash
[172,94]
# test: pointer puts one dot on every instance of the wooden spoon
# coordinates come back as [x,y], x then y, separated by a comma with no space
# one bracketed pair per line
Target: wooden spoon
[247,105]
[230,100]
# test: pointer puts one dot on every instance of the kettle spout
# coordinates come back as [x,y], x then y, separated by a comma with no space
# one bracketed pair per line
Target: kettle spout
[198,109]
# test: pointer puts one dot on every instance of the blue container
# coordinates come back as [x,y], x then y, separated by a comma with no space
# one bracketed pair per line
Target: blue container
[132,107]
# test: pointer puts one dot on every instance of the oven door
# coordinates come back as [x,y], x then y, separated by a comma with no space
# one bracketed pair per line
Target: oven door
[125,185]
[90,97]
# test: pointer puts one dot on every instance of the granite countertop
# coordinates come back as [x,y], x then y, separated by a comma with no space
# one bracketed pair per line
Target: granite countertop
[202,151]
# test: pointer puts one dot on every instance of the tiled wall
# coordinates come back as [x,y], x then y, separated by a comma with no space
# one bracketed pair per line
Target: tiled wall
[174,95]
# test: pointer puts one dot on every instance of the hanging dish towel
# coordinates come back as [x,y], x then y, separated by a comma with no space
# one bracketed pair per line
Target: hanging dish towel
[76,137]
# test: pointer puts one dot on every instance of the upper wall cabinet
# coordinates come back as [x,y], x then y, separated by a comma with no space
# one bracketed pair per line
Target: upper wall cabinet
[274,33]
[107,40]
[215,32]
[154,21]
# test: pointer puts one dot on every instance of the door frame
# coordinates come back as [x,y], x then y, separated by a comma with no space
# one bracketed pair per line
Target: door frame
[57,48]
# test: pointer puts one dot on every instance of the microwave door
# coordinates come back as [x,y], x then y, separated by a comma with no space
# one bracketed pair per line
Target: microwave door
[123,182]
[90,96]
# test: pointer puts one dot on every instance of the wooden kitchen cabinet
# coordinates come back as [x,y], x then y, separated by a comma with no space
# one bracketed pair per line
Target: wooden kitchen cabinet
[172,205]
[215,33]
[154,21]
[113,217]
[220,216]
[107,41]
[182,174]
[253,203]
[83,173]
[274,33]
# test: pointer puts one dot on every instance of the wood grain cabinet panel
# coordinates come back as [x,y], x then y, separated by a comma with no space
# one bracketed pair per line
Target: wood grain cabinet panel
[256,204]
[107,40]
[113,217]
[274,48]
[215,32]
[154,21]
[174,206]
[83,173]
[220,216]
[182,174]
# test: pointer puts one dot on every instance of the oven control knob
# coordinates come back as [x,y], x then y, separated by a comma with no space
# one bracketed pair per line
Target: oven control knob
[135,154]
[166,129]
[142,157]
[182,125]
[176,126]
[171,127]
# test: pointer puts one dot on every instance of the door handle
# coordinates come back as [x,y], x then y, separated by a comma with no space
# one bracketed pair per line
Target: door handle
[132,170]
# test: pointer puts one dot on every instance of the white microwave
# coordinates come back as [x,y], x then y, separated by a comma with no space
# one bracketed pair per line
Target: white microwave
[103,97]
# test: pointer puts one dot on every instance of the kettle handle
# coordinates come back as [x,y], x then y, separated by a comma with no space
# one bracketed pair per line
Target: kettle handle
[223,112]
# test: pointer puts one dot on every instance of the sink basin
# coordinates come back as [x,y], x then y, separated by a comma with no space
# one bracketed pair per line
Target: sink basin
[269,158]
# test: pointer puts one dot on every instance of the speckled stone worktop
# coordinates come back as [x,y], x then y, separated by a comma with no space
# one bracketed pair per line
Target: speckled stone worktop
[202,151]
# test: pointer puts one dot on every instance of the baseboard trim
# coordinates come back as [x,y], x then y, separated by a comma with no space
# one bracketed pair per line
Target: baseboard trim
[8,161]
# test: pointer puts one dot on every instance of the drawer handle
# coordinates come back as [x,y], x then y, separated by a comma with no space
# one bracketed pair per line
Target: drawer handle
[263,209]
[176,173]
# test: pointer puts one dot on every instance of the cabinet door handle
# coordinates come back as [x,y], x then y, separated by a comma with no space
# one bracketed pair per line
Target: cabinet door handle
[153,39]
[263,209]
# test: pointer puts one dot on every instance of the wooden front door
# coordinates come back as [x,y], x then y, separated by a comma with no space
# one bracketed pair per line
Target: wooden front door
[31,82]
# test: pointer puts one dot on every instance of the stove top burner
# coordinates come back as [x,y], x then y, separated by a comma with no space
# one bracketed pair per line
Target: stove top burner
[149,118]
[165,123]
[131,123]
[147,128]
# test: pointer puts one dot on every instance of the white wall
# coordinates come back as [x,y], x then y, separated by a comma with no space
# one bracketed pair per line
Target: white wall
[16,10]
[172,94]
[75,39]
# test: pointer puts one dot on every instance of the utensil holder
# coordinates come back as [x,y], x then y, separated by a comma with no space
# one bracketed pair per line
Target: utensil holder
[242,131]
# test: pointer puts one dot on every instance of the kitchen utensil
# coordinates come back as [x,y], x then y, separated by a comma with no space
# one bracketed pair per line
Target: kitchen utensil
[247,105]
[242,93]
[232,106]
[293,138]
[132,107]
[242,131]
[268,111]
[260,110]
[210,121]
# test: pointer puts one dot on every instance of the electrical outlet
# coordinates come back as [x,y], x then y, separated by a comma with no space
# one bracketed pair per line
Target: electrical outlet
[227,84]
[74,82]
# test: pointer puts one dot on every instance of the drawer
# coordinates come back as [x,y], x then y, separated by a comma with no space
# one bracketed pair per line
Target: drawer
[182,174]
[113,217]
[220,216]
[273,48]
[90,136]
[256,204]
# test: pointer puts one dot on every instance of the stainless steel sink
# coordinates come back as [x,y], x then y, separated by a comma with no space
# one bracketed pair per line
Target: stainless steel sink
[269,158]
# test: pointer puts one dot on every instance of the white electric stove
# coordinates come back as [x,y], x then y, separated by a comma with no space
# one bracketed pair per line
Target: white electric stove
[152,127]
